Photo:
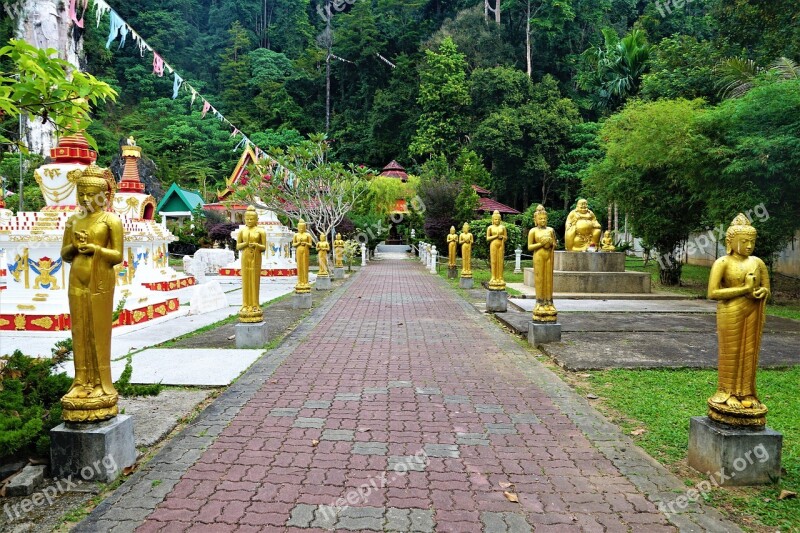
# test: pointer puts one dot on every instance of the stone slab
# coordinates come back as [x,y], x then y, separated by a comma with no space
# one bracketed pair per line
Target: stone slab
[529,292]
[338,273]
[622,306]
[465,283]
[543,333]
[206,298]
[185,367]
[589,261]
[496,301]
[26,482]
[733,456]
[323,283]
[251,335]
[93,452]
[301,301]
[156,416]
[596,282]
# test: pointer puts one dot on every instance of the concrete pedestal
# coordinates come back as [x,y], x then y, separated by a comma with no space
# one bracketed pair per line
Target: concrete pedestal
[251,335]
[733,456]
[92,452]
[301,301]
[338,273]
[589,261]
[496,301]
[543,332]
[465,283]
[452,272]
[323,283]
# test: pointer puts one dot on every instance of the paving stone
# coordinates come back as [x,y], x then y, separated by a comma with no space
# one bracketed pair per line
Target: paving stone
[27,481]
[442,450]
[317,404]
[370,448]
[376,390]
[456,398]
[501,429]
[358,518]
[302,515]
[338,434]
[407,463]
[398,520]
[399,384]
[303,422]
[325,517]
[472,439]
[348,397]
[284,411]
[422,521]
[525,418]
[428,391]
[489,409]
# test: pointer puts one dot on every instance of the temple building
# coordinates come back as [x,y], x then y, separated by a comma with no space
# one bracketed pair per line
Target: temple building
[488,205]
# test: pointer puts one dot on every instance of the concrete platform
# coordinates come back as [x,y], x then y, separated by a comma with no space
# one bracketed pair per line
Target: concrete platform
[529,292]
[623,306]
[589,261]
[596,282]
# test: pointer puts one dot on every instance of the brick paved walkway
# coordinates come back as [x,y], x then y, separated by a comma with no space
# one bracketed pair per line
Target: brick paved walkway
[400,411]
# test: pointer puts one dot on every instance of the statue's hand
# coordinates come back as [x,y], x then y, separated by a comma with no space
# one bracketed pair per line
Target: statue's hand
[750,281]
[88,249]
[761,293]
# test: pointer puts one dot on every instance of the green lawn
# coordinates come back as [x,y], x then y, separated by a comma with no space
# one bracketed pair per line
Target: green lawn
[662,401]
[694,282]
[481,273]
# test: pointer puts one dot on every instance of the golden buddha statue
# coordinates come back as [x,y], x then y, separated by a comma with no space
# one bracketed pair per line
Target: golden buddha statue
[740,284]
[542,242]
[302,242]
[466,239]
[607,244]
[496,237]
[251,243]
[92,243]
[322,255]
[338,251]
[583,229]
[452,246]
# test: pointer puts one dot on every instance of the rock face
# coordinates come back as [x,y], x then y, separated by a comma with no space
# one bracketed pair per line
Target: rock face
[46,24]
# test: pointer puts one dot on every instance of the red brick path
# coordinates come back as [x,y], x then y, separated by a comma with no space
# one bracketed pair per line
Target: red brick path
[399,362]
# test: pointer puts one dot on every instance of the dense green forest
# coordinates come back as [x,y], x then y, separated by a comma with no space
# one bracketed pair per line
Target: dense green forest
[646,103]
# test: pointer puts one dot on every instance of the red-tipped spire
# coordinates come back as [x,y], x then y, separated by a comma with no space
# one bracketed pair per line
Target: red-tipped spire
[130,181]
[73,149]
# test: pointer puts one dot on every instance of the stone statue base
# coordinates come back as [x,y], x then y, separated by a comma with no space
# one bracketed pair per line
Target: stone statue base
[543,332]
[93,452]
[338,273]
[496,301]
[251,335]
[734,456]
[452,272]
[323,283]
[465,283]
[301,300]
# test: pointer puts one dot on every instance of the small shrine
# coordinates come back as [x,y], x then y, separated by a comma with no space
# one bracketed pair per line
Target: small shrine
[35,297]
[395,170]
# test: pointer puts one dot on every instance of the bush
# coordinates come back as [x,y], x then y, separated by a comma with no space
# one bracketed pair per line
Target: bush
[480,248]
[30,404]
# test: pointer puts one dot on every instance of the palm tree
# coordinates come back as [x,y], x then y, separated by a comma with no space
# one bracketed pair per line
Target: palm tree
[738,75]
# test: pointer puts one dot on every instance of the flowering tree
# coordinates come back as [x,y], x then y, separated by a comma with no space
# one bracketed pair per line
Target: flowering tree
[301,182]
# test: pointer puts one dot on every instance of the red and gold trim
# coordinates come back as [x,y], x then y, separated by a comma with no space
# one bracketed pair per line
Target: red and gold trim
[21,322]
[265,273]
[171,285]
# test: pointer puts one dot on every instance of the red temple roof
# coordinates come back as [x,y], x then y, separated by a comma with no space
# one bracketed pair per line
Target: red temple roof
[481,191]
[394,170]
[487,205]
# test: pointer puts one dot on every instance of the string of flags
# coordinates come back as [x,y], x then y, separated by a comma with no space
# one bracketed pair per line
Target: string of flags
[119,28]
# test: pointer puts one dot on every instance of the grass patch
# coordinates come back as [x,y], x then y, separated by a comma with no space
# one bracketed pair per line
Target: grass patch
[694,282]
[662,401]
[481,273]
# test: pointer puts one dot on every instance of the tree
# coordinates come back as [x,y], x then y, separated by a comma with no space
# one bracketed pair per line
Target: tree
[300,182]
[45,87]
[614,70]
[649,156]
[443,97]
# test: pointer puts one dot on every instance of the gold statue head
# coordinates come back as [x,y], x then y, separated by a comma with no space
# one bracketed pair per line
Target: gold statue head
[741,236]
[95,188]
[496,218]
[338,236]
[465,228]
[540,216]
[323,237]
[301,226]
[452,230]
[250,217]
[582,206]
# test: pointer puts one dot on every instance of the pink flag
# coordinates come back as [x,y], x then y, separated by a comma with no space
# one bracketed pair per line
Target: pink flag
[73,12]
[206,107]
[235,132]
[158,65]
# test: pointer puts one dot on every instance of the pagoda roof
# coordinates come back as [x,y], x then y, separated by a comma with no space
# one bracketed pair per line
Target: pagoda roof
[179,200]
[487,205]
[481,191]
[394,170]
